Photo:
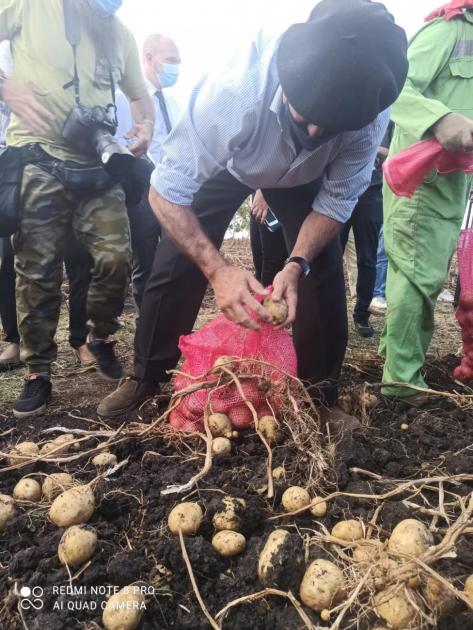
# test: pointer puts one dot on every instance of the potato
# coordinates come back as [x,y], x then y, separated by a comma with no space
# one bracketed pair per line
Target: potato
[367,554]
[221,446]
[322,586]
[468,583]
[27,489]
[437,597]
[28,449]
[349,531]
[410,537]
[280,559]
[393,607]
[229,517]
[295,498]
[186,517]
[77,545]
[7,510]
[219,424]
[104,459]
[73,507]
[368,400]
[60,445]
[124,610]
[269,427]
[277,310]
[279,473]
[319,510]
[228,543]
[56,483]
[325,615]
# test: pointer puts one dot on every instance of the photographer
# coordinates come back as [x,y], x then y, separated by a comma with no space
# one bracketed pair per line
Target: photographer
[69,169]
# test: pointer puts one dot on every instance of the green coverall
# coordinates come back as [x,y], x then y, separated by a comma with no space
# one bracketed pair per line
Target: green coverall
[421,233]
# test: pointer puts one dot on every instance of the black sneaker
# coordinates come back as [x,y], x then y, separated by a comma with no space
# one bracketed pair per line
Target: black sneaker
[364,329]
[34,397]
[107,363]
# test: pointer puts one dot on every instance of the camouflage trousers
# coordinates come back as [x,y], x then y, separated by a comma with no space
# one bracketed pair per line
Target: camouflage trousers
[49,213]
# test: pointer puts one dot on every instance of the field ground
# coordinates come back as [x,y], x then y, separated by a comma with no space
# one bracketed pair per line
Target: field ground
[131,513]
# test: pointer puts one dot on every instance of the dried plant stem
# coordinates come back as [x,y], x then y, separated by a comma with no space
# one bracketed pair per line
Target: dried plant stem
[269,465]
[207,463]
[266,593]
[203,607]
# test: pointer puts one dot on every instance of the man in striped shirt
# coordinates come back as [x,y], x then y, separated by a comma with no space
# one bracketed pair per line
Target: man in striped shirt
[300,117]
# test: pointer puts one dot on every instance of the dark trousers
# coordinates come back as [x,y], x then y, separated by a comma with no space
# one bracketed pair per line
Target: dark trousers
[269,251]
[176,288]
[366,221]
[145,232]
[7,292]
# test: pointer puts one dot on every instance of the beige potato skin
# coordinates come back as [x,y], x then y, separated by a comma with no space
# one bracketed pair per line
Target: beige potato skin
[276,540]
[186,517]
[27,489]
[104,459]
[278,310]
[221,446]
[73,507]
[410,537]
[468,587]
[322,586]
[124,610]
[228,543]
[395,609]
[56,483]
[269,427]
[7,510]
[219,424]
[228,519]
[23,448]
[320,509]
[437,597]
[77,545]
[348,531]
[295,498]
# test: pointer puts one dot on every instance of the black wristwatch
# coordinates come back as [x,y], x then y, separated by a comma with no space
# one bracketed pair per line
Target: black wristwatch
[302,262]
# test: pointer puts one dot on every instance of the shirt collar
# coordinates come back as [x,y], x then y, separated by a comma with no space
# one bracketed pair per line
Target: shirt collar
[152,89]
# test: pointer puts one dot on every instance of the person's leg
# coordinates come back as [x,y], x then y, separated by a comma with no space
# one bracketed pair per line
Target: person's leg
[274,251]
[10,356]
[101,226]
[145,233]
[256,247]
[381,268]
[39,251]
[320,331]
[173,296]
[366,226]
[420,237]
[78,263]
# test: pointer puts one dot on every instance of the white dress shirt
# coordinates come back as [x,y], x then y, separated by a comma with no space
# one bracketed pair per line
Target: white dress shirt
[125,119]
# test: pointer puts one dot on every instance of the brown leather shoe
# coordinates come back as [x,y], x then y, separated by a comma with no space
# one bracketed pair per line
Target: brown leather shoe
[10,358]
[129,395]
[338,421]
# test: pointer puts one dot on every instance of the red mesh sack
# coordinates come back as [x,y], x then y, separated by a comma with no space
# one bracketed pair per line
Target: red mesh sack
[406,171]
[221,337]
[464,312]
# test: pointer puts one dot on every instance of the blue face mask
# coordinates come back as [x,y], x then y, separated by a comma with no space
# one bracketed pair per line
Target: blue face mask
[169,75]
[106,7]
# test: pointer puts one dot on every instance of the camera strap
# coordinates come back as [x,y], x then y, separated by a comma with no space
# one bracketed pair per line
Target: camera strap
[73,35]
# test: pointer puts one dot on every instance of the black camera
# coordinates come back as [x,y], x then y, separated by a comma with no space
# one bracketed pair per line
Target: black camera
[91,130]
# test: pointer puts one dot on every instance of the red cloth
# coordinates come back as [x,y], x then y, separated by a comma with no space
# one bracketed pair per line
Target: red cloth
[406,171]
[450,10]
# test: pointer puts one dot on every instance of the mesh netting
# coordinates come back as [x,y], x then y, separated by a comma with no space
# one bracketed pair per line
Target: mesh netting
[259,382]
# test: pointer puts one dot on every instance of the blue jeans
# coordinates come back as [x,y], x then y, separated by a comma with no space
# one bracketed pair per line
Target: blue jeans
[381,269]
